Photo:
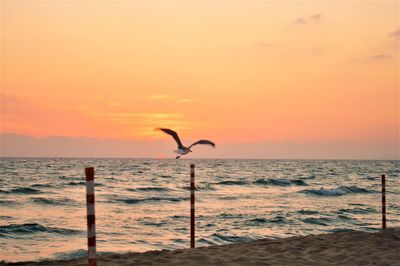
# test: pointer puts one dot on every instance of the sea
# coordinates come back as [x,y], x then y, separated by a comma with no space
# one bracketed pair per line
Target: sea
[144,204]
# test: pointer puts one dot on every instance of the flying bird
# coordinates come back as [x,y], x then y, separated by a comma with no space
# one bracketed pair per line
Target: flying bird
[182,150]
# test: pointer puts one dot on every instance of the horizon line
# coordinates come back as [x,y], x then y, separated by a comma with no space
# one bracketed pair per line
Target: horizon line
[188,159]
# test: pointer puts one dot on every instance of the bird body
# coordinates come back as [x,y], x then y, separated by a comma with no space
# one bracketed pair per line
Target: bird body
[182,150]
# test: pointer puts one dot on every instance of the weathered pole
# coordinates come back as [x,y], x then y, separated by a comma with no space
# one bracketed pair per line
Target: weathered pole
[383,202]
[91,219]
[192,207]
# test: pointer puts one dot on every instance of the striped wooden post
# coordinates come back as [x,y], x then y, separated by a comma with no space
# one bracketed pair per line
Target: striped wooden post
[192,188]
[91,220]
[383,202]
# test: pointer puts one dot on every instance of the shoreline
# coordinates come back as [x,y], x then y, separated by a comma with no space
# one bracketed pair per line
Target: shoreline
[340,248]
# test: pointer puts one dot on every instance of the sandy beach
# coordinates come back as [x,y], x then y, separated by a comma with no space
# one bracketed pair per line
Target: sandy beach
[341,248]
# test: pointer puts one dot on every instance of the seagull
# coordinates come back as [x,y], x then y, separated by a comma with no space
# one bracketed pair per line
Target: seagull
[182,150]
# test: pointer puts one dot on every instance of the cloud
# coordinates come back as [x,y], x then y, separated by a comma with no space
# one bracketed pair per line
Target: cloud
[16,145]
[184,100]
[316,18]
[8,98]
[395,33]
[300,21]
[379,57]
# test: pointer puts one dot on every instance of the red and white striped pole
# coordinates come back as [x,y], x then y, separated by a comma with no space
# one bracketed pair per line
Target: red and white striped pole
[383,202]
[91,220]
[192,188]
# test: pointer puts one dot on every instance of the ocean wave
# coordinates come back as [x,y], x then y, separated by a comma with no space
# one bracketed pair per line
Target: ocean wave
[339,191]
[81,183]
[277,220]
[280,182]
[317,221]
[201,187]
[51,201]
[312,176]
[345,217]
[258,221]
[32,228]
[178,240]
[78,183]
[151,222]
[42,185]
[229,216]
[394,171]
[151,199]
[5,217]
[231,182]
[394,206]
[79,253]
[9,202]
[159,189]
[230,238]
[340,230]
[203,240]
[228,198]
[358,210]
[307,212]
[63,177]
[22,190]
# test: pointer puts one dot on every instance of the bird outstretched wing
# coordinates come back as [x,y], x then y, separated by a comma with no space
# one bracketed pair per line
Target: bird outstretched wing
[173,134]
[203,141]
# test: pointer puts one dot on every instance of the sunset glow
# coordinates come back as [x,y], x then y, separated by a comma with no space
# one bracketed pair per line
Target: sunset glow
[233,71]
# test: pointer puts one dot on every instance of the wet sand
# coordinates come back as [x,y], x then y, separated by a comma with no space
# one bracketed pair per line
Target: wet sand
[341,248]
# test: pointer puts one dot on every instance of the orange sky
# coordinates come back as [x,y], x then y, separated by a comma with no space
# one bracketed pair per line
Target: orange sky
[236,71]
